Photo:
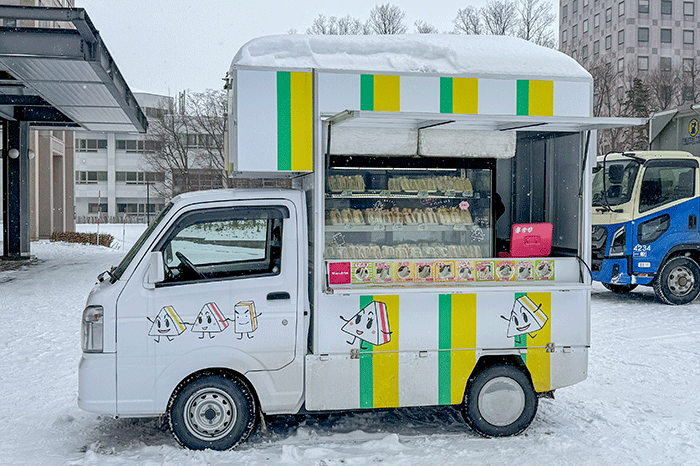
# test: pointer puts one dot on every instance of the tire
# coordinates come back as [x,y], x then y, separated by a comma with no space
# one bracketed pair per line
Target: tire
[678,281]
[500,402]
[213,412]
[619,288]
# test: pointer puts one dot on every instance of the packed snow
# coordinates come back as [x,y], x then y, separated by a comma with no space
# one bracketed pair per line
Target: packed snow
[638,406]
[455,54]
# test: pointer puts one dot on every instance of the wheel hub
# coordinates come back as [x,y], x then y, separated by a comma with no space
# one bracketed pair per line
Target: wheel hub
[501,402]
[210,414]
[681,281]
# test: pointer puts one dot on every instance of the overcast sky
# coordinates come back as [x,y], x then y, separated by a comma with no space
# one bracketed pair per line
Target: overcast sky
[166,46]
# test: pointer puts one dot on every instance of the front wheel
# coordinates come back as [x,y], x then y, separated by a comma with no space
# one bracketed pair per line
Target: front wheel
[619,288]
[678,281]
[212,412]
[500,402]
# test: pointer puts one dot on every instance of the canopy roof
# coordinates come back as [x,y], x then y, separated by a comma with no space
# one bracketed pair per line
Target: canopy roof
[62,77]
[445,54]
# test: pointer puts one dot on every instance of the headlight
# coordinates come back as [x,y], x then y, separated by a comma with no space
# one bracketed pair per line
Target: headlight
[92,329]
[617,247]
[651,230]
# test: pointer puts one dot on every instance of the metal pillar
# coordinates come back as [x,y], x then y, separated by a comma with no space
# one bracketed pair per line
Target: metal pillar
[15,187]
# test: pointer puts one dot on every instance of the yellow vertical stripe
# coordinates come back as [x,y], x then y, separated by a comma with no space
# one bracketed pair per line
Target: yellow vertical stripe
[538,358]
[386,364]
[302,121]
[465,95]
[541,98]
[387,93]
[463,336]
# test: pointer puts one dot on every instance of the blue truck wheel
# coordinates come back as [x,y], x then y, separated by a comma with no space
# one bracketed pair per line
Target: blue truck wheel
[678,281]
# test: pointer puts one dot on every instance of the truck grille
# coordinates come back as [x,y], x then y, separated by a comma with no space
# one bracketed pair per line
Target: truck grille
[599,243]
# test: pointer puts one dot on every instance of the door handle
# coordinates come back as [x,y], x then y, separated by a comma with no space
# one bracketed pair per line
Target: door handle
[278,295]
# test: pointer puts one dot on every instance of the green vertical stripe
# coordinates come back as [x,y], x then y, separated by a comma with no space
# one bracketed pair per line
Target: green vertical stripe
[366,370]
[445,345]
[521,340]
[523,90]
[367,92]
[446,95]
[284,121]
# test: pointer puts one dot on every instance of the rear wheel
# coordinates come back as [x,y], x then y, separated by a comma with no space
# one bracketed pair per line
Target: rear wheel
[678,281]
[619,288]
[213,412]
[500,402]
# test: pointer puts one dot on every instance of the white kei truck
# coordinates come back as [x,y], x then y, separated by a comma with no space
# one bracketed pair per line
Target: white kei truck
[388,274]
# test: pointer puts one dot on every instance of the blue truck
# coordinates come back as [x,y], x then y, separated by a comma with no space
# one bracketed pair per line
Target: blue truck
[645,223]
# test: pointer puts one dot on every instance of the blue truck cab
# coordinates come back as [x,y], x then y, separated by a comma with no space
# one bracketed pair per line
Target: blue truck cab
[645,223]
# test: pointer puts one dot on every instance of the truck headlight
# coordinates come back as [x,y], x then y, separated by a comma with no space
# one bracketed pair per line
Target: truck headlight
[92,329]
[617,247]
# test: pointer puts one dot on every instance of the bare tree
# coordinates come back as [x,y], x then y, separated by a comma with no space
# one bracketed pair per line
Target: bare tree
[387,19]
[536,19]
[424,28]
[500,17]
[347,25]
[691,81]
[468,21]
[665,88]
[187,137]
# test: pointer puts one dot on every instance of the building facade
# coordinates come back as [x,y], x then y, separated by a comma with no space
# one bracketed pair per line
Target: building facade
[633,36]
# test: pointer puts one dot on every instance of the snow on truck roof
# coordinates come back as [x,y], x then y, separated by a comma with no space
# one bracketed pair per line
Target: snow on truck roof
[446,54]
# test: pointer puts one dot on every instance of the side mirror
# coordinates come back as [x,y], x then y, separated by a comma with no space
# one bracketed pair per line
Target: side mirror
[156,271]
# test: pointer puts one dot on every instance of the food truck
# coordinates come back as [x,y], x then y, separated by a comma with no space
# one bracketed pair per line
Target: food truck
[387,274]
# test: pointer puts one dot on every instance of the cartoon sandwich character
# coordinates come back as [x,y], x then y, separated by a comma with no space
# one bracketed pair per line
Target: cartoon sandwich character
[210,320]
[245,320]
[526,317]
[371,324]
[166,324]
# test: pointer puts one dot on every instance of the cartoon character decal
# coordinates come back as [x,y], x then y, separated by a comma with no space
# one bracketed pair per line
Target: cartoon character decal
[370,325]
[210,320]
[526,317]
[245,320]
[166,324]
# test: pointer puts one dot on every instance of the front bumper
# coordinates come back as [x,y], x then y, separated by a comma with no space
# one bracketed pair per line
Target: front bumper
[616,271]
[97,383]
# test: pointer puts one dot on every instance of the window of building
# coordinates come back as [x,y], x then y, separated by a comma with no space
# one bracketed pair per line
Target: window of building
[585,3]
[130,145]
[608,42]
[666,7]
[643,6]
[563,38]
[620,8]
[574,7]
[584,52]
[574,31]
[95,208]
[608,15]
[596,21]
[688,10]
[90,145]
[564,12]
[140,177]
[585,26]
[90,177]
[688,65]
[643,63]
[665,63]
[621,37]
[596,47]
[643,35]
[689,37]
[153,112]
[665,36]
[620,65]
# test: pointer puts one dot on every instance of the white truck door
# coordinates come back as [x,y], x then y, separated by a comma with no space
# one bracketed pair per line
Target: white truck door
[228,299]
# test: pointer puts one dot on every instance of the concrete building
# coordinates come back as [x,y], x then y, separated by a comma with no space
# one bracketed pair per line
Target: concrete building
[632,35]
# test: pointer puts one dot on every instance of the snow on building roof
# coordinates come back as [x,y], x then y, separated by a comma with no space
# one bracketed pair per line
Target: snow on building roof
[445,54]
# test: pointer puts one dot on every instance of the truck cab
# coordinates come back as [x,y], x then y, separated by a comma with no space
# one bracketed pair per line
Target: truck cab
[645,223]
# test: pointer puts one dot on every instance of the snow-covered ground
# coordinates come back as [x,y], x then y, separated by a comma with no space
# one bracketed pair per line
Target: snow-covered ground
[639,405]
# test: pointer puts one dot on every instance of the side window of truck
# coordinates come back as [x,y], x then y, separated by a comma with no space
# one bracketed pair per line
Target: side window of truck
[228,243]
[666,181]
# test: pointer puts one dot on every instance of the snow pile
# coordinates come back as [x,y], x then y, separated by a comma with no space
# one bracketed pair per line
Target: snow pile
[638,406]
[446,54]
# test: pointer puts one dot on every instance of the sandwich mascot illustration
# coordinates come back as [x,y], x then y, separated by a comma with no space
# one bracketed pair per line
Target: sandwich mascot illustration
[370,325]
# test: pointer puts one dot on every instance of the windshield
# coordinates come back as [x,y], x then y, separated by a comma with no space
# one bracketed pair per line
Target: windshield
[117,272]
[614,185]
